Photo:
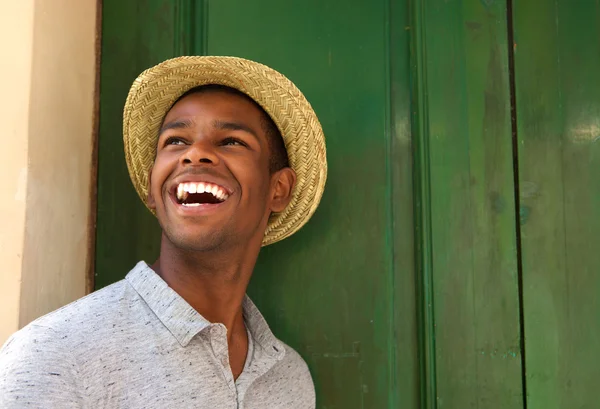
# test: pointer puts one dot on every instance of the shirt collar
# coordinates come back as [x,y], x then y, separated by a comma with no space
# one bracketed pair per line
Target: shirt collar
[174,312]
[184,322]
[260,331]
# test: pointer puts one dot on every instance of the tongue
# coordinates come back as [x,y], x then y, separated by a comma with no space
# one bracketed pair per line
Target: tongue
[201,198]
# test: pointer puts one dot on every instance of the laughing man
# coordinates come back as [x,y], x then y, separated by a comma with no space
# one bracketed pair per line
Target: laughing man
[230,157]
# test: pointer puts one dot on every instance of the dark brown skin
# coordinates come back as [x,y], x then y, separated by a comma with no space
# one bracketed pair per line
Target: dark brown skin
[208,258]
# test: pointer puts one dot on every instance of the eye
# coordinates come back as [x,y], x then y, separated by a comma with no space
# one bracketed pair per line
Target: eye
[174,140]
[231,141]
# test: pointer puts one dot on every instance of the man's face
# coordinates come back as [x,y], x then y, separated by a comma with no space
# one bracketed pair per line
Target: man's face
[213,143]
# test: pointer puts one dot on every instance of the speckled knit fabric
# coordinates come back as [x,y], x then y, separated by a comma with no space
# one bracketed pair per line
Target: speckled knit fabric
[138,344]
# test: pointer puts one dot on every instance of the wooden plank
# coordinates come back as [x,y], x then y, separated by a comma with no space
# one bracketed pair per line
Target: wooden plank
[135,36]
[404,393]
[557,61]
[329,290]
[466,117]
[422,210]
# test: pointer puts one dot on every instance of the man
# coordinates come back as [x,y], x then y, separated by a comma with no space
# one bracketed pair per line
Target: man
[229,156]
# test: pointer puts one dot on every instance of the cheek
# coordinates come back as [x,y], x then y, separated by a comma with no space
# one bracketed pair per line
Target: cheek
[253,176]
[160,172]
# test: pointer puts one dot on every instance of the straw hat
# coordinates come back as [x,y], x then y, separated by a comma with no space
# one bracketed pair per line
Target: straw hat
[156,90]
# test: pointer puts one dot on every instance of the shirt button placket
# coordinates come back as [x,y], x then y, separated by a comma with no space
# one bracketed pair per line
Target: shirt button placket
[218,342]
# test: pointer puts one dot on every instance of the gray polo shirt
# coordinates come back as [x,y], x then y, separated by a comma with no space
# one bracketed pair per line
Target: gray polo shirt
[138,344]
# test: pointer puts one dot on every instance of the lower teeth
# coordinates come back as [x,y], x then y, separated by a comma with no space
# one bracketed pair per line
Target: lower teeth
[191,204]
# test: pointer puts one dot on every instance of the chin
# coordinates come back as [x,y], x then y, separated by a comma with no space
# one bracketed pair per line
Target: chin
[195,241]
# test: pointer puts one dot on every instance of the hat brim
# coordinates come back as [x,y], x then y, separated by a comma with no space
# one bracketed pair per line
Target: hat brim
[156,90]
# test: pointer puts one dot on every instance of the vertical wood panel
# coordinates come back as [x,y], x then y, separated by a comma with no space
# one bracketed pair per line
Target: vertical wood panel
[135,36]
[466,116]
[191,27]
[557,61]
[422,208]
[404,392]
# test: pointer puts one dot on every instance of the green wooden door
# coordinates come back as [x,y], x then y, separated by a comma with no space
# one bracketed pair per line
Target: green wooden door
[451,263]
[557,83]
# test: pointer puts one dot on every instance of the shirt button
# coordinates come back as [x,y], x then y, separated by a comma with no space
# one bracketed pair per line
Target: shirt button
[225,361]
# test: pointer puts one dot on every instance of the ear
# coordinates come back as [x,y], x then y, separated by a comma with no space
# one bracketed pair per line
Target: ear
[150,200]
[282,185]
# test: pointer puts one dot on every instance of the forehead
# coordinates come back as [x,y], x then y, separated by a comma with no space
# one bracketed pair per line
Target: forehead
[214,104]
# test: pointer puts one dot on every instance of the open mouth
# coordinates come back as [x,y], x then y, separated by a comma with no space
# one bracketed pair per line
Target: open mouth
[191,194]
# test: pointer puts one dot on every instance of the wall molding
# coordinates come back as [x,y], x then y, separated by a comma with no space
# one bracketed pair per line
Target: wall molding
[191,38]
[422,207]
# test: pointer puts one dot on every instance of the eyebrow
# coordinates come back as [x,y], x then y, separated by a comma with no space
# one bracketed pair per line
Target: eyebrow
[177,124]
[234,126]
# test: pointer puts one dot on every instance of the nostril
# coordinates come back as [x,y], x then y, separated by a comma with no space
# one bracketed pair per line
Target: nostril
[205,160]
[186,160]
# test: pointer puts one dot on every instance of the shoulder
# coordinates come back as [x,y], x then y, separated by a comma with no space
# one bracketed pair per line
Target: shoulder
[60,329]
[295,366]
[37,369]
[39,364]
[35,347]
[292,379]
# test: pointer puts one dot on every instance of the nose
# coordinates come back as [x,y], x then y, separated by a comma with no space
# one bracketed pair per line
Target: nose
[200,152]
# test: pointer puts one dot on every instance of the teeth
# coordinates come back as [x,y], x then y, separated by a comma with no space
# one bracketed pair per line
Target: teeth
[185,189]
[181,192]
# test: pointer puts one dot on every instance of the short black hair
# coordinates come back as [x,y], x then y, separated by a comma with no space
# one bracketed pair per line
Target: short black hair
[278,157]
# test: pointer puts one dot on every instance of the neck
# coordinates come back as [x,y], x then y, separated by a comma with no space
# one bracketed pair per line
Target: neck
[214,283]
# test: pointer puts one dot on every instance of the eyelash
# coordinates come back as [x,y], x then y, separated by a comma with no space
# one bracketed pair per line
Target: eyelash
[237,141]
[174,140]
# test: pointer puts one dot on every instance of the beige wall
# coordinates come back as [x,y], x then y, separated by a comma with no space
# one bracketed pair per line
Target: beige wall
[16,21]
[46,159]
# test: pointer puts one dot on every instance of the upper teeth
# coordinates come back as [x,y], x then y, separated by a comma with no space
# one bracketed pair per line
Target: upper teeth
[184,189]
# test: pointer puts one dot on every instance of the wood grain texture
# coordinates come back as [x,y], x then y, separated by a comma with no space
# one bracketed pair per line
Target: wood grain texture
[473,253]
[557,61]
